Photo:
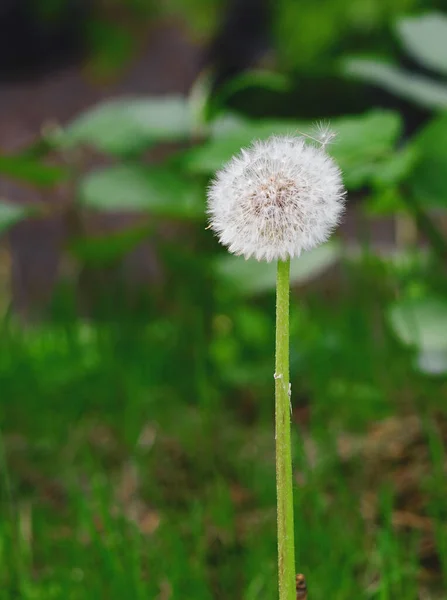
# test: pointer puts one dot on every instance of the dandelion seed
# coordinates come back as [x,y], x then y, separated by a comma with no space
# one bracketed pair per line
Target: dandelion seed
[277,198]
[324,134]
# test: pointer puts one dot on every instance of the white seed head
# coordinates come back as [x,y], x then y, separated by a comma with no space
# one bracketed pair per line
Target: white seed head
[276,199]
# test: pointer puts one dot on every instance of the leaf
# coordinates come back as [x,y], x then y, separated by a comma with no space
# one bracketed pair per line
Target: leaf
[23,168]
[364,143]
[425,39]
[419,89]
[107,248]
[361,143]
[432,362]
[427,180]
[131,125]
[10,214]
[135,188]
[397,167]
[229,134]
[267,80]
[227,123]
[385,201]
[251,277]
[257,79]
[207,103]
[422,323]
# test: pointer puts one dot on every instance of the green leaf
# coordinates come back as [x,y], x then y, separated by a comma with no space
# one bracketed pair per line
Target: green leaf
[131,125]
[397,167]
[362,142]
[422,324]
[428,180]
[266,80]
[385,201]
[227,139]
[135,188]
[107,248]
[10,214]
[257,79]
[22,168]
[425,39]
[229,134]
[228,123]
[251,277]
[206,103]
[419,89]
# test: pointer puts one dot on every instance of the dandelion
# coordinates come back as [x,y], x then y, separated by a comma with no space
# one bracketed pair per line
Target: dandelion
[273,201]
[277,198]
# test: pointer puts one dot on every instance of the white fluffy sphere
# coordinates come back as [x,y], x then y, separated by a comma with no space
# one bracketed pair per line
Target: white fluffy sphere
[276,199]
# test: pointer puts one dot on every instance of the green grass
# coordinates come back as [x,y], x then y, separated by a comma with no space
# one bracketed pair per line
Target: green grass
[137,464]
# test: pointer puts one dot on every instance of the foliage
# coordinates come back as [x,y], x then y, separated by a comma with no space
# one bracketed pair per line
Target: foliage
[367,149]
[175,189]
[421,323]
[308,36]
[425,39]
[128,477]
[252,278]
[130,126]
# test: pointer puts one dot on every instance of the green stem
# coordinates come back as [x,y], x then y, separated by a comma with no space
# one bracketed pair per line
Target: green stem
[284,487]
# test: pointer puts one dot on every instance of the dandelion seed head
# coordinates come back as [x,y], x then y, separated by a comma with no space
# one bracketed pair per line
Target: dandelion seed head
[277,198]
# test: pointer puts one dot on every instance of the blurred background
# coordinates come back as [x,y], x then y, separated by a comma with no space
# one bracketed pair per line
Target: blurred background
[136,354]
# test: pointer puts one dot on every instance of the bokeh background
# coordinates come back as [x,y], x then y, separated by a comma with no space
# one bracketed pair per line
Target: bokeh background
[136,355]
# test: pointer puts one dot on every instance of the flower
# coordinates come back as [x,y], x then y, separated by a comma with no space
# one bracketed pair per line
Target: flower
[277,198]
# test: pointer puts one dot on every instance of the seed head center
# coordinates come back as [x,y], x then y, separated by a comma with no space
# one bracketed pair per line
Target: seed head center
[273,194]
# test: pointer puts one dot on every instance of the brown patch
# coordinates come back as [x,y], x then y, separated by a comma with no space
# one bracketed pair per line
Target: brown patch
[301,587]
[396,453]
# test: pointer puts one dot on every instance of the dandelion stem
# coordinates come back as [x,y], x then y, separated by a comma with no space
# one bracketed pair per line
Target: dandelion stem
[284,488]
